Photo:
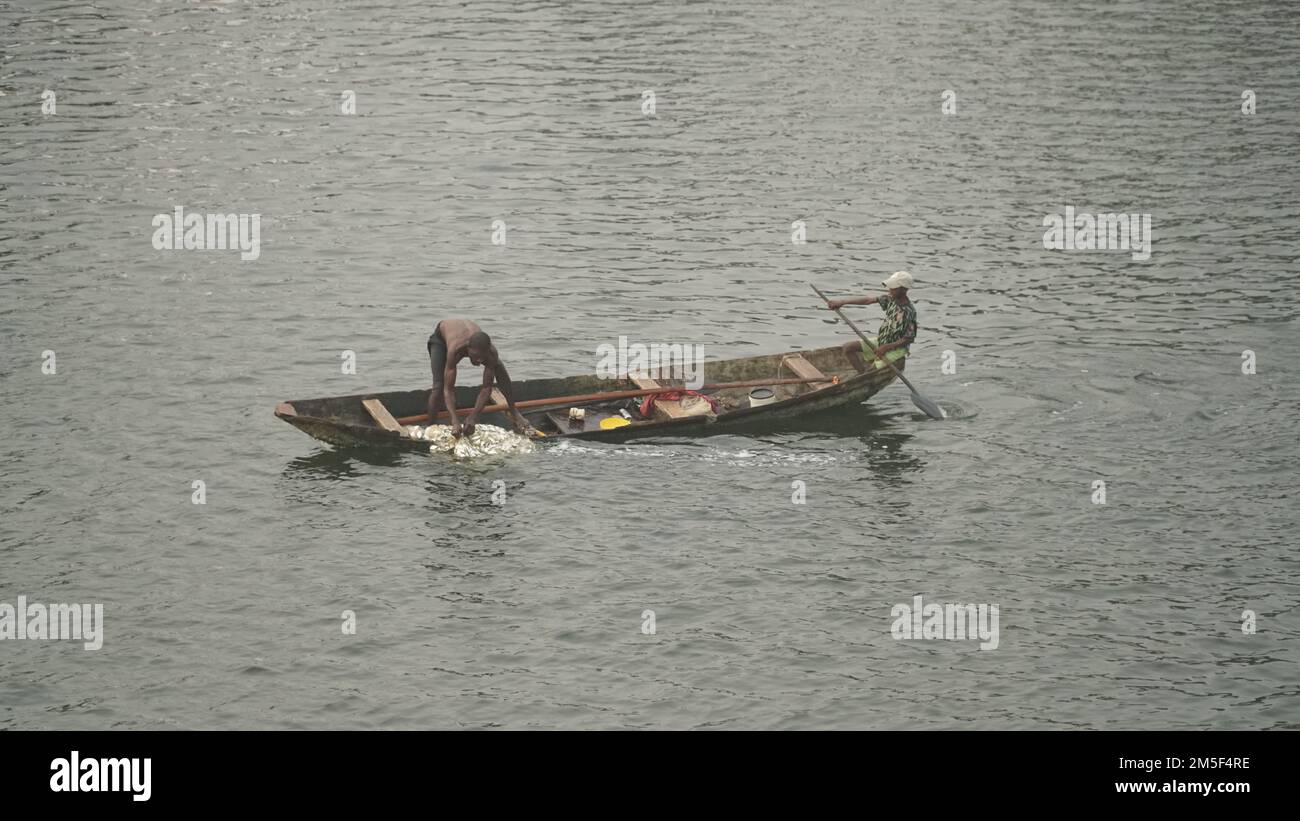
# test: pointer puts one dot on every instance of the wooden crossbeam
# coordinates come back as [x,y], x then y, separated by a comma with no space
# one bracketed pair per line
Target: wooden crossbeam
[380,414]
[807,370]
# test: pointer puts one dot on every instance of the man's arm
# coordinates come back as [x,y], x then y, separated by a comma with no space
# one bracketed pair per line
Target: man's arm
[483,394]
[840,303]
[508,390]
[449,396]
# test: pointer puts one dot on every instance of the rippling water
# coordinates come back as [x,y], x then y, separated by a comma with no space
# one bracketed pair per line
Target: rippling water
[1071,367]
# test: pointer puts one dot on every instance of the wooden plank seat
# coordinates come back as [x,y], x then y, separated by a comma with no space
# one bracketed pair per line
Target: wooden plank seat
[804,369]
[382,417]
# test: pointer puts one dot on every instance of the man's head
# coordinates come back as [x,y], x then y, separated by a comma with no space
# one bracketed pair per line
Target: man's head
[898,283]
[480,349]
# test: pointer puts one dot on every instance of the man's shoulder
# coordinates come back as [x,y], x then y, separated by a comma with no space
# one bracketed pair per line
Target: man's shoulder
[461,329]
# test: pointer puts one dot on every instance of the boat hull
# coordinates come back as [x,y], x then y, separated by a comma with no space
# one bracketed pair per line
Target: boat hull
[344,421]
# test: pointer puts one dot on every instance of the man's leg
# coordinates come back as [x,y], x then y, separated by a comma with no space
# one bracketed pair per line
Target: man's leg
[437,364]
[853,353]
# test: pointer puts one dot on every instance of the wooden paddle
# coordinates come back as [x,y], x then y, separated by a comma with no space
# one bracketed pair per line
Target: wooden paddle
[929,407]
[596,397]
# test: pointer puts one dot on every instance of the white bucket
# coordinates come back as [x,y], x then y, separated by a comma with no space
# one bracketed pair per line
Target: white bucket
[761,396]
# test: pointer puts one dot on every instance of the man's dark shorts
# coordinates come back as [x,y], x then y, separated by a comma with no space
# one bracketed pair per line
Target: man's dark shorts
[437,356]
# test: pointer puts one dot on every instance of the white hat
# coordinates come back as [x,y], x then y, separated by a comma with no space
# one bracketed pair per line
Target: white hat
[899,279]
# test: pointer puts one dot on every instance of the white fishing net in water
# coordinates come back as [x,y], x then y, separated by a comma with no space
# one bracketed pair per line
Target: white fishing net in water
[487,440]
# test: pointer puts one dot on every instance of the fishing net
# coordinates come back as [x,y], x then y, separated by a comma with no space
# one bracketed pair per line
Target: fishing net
[487,440]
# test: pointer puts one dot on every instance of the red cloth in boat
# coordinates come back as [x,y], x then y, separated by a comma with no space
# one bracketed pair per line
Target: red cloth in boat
[647,406]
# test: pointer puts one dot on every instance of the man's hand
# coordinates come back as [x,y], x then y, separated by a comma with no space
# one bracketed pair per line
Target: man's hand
[835,304]
[469,428]
[456,429]
[521,424]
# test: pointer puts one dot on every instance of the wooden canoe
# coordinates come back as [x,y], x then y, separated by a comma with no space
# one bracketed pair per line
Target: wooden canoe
[359,418]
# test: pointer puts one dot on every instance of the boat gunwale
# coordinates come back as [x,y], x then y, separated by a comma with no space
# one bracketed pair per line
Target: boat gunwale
[872,381]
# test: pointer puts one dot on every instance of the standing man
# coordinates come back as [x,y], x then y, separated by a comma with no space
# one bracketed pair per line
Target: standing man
[897,331]
[452,341]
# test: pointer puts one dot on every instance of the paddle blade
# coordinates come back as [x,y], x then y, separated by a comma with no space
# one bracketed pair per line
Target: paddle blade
[928,407]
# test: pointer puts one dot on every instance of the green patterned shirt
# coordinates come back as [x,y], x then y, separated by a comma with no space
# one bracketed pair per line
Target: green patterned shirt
[899,324]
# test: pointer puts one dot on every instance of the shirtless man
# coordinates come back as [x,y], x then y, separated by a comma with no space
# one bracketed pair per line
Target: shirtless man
[452,341]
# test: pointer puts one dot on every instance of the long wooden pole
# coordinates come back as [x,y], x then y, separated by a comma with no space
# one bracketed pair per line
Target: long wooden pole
[596,397]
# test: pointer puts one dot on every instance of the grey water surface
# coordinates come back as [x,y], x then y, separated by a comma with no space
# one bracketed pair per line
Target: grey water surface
[1072,367]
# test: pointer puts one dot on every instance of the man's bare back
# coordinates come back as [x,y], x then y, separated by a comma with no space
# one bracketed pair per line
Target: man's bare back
[455,334]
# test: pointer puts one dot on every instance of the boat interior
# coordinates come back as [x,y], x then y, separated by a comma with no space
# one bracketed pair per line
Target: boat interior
[770,374]
[772,377]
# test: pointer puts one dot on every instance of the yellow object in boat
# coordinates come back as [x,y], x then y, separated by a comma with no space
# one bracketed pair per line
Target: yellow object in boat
[613,422]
